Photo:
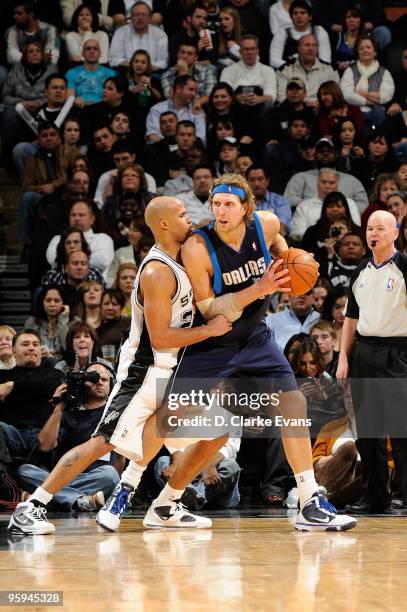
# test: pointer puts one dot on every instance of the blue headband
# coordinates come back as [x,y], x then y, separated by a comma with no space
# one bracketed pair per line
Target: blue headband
[224,188]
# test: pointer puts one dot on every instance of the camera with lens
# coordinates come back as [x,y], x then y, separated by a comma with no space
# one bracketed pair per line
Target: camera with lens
[75,387]
[335,232]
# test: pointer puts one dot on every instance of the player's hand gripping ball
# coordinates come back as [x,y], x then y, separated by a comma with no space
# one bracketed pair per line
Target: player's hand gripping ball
[302,268]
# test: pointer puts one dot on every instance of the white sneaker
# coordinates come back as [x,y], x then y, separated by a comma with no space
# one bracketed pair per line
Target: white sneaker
[318,514]
[30,519]
[173,514]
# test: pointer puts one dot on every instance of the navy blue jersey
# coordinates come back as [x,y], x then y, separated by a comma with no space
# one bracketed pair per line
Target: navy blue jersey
[237,270]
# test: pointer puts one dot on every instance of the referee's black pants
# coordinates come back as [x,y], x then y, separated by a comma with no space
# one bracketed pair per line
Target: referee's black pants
[379,392]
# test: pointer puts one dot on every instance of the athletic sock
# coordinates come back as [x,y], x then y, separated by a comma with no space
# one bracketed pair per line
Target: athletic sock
[307,485]
[168,494]
[132,475]
[40,496]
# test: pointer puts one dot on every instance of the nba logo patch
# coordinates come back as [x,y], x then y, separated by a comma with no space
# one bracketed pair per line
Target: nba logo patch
[254,246]
[390,284]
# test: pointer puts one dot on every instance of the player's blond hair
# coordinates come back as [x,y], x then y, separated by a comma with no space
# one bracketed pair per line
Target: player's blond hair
[237,181]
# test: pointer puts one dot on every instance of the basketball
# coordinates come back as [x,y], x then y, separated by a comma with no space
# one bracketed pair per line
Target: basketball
[303,269]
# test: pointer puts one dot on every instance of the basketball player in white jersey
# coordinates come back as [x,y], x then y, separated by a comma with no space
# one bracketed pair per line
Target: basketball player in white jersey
[162,314]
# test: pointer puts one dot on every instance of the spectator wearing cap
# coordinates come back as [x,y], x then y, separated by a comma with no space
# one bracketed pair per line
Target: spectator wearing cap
[307,67]
[254,83]
[303,185]
[258,179]
[274,125]
[181,102]
[309,211]
[226,153]
[139,34]
[197,200]
[284,157]
[284,45]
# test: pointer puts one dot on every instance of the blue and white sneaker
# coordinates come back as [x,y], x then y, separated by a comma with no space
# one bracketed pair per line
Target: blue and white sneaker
[109,516]
[318,514]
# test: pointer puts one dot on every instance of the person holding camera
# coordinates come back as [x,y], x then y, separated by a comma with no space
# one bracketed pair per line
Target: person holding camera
[25,391]
[78,403]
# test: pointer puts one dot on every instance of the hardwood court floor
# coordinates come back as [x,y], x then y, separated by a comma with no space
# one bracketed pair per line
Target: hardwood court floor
[258,563]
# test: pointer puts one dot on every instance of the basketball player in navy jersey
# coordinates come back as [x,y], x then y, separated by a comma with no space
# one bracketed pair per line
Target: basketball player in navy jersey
[228,263]
[162,313]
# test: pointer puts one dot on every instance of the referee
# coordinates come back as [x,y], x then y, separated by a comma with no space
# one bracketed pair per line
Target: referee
[374,352]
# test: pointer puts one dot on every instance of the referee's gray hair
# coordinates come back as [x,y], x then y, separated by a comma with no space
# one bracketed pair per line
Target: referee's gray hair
[331,170]
[401,194]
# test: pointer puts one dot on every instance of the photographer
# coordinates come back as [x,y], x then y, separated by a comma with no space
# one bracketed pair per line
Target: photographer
[25,391]
[79,405]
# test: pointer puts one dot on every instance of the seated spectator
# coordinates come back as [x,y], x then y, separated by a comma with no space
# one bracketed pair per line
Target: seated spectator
[195,20]
[71,135]
[401,241]
[163,147]
[379,158]
[399,102]
[187,64]
[25,391]
[123,154]
[25,84]
[181,172]
[130,198]
[303,185]
[284,45]
[258,179]
[82,348]
[367,84]
[143,83]
[396,204]
[324,335]
[54,111]
[217,485]
[7,360]
[345,37]
[298,317]
[66,429]
[243,163]
[330,15]
[124,282]
[293,344]
[128,254]
[114,326]
[88,308]
[45,173]
[402,172]
[279,16]
[253,83]
[115,99]
[284,158]
[28,28]
[143,247]
[334,311]
[226,154]
[308,68]
[321,290]
[197,200]
[350,253]
[173,157]
[139,34]
[222,129]
[335,221]
[349,147]
[332,107]
[110,15]
[51,321]
[254,21]
[181,102]
[85,82]
[220,105]
[229,36]
[385,184]
[84,28]
[82,217]
[309,211]
[275,123]
[324,398]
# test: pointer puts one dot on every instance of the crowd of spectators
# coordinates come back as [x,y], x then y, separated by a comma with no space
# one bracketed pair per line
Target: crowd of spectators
[106,103]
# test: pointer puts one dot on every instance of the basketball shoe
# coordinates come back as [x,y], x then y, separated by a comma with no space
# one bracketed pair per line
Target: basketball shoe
[30,519]
[109,516]
[173,514]
[318,514]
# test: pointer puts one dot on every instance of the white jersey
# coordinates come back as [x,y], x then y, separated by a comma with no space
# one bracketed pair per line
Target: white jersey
[138,347]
